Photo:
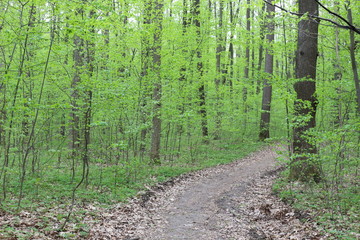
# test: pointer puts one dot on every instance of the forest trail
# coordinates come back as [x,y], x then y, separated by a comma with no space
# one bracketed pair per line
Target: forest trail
[201,210]
[232,201]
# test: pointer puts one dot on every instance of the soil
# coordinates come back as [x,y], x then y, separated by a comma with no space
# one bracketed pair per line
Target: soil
[232,201]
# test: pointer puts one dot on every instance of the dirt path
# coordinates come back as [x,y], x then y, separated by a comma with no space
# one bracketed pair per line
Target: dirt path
[232,201]
[198,212]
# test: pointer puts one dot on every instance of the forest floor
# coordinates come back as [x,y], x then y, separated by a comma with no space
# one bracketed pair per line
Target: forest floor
[231,201]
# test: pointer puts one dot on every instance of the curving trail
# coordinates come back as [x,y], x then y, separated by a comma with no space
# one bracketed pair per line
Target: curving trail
[232,201]
[198,212]
[201,210]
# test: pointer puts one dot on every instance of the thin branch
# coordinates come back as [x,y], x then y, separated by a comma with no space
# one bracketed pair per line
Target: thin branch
[352,27]
[348,26]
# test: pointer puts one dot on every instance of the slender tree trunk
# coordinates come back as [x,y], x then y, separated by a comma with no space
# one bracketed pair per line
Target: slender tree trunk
[79,57]
[353,59]
[288,75]
[27,82]
[220,48]
[11,115]
[304,166]
[269,66]
[201,89]
[230,69]
[87,107]
[338,119]
[185,24]
[145,65]
[156,65]
[3,68]
[261,49]
[26,142]
[2,111]
[247,55]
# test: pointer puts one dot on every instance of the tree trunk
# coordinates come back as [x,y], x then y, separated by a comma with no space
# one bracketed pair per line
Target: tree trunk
[247,55]
[87,107]
[220,48]
[353,60]
[267,89]
[3,112]
[201,89]
[156,64]
[230,68]
[145,66]
[304,166]
[261,48]
[78,55]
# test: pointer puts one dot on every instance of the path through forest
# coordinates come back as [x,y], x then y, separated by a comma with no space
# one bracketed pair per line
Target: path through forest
[200,211]
[232,201]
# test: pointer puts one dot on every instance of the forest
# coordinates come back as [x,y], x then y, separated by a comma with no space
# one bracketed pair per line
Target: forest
[101,98]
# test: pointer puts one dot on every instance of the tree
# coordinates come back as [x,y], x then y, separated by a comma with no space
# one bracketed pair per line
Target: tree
[145,69]
[267,88]
[4,69]
[247,56]
[200,70]
[353,57]
[304,165]
[220,71]
[156,73]
[81,94]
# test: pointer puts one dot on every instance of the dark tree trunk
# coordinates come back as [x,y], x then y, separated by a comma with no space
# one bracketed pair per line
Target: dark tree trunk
[304,166]
[267,89]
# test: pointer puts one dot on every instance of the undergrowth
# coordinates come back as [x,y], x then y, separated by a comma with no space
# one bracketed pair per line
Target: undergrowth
[334,203]
[47,194]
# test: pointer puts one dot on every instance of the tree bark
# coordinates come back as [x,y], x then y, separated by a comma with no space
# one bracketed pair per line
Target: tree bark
[267,88]
[231,51]
[220,48]
[353,60]
[261,48]
[247,55]
[3,112]
[156,64]
[304,166]
[145,66]
[78,55]
[201,89]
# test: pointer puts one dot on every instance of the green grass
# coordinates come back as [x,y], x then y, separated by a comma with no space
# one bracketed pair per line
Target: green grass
[52,187]
[47,193]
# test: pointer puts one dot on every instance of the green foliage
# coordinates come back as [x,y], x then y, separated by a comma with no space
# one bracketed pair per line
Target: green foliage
[107,184]
[39,167]
[335,201]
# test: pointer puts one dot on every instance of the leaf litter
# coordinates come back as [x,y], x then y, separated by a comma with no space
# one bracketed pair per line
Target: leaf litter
[231,201]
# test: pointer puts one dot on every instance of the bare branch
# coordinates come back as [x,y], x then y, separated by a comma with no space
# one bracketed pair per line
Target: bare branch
[348,26]
[351,26]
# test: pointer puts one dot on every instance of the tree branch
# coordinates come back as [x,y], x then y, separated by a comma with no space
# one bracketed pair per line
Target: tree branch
[348,26]
[351,26]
